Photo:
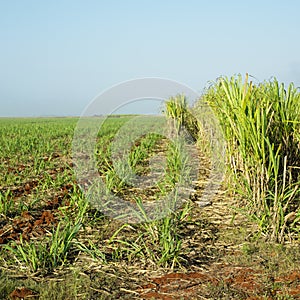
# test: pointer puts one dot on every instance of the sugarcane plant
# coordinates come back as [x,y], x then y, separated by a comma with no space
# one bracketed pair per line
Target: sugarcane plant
[261,124]
[181,117]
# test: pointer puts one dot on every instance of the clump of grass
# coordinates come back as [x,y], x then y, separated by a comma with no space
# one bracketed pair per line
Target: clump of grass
[157,242]
[6,202]
[261,124]
[48,255]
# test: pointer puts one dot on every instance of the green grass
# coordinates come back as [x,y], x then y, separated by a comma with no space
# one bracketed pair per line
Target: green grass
[37,176]
[47,255]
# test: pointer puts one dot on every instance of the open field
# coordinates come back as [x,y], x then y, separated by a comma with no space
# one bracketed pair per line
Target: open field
[55,244]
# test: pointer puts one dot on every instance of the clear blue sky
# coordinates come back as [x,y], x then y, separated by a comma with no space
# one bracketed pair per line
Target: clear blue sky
[56,56]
